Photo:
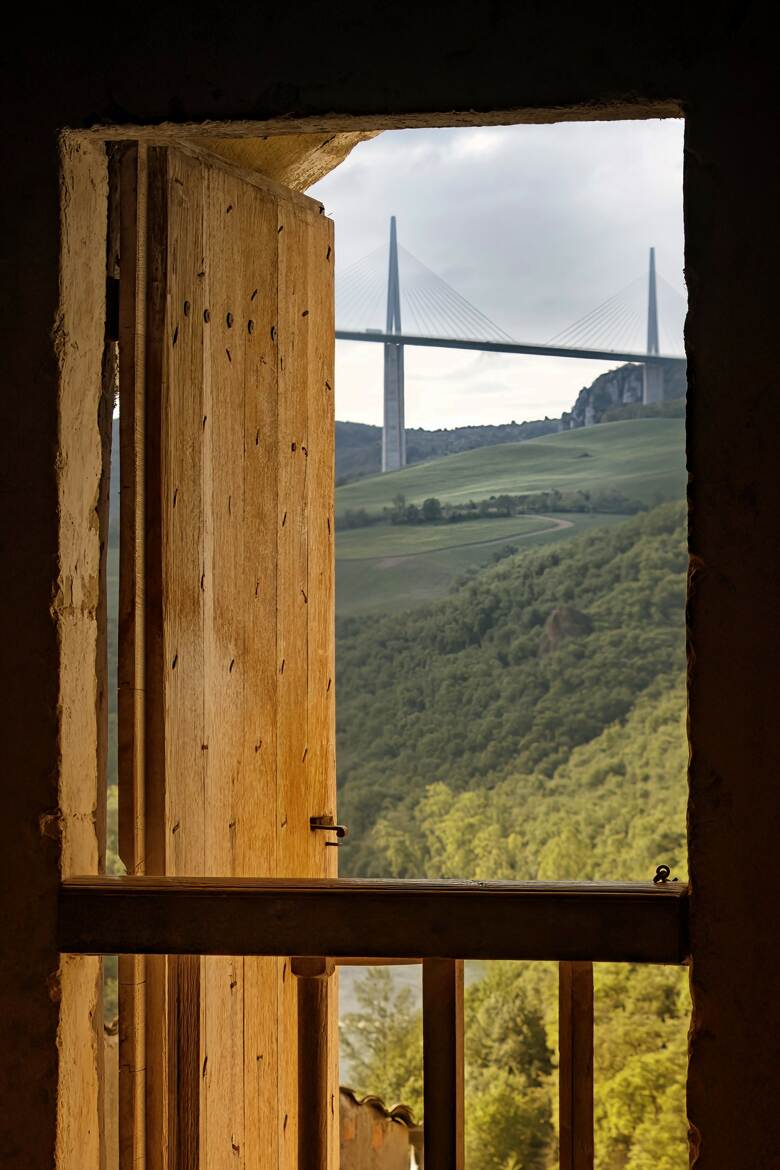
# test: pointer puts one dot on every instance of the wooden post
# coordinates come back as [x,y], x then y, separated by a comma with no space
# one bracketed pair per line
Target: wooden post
[575,1068]
[443,1064]
[312,977]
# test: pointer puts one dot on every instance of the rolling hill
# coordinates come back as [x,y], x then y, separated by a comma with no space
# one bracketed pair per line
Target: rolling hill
[359,445]
[390,568]
[640,458]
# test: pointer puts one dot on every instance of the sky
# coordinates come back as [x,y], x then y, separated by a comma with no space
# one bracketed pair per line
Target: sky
[534,225]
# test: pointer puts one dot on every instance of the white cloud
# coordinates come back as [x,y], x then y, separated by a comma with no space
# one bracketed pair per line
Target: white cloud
[535,225]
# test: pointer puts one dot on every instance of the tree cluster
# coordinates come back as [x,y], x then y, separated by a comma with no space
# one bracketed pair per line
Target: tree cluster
[468,753]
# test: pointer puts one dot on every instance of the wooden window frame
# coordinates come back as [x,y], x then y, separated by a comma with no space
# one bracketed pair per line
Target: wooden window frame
[571,924]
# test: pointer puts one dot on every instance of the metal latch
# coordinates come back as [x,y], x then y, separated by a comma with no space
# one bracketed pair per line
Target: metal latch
[328,825]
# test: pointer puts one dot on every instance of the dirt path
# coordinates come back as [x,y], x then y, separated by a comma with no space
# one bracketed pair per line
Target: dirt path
[389,562]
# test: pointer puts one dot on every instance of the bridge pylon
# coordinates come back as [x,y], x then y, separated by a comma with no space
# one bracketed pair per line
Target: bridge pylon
[653,376]
[394,426]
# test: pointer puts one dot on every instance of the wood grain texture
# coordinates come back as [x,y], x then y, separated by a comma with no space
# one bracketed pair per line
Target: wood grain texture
[305,582]
[575,1065]
[227,675]
[76,466]
[634,922]
[443,1067]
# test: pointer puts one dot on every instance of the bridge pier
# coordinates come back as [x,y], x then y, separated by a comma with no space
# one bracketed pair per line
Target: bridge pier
[652,384]
[653,380]
[394,428]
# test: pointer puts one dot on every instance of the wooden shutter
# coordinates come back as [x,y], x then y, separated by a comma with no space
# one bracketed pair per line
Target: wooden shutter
[226,628]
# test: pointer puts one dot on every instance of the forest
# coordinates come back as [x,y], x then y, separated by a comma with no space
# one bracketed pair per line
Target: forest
[529,726]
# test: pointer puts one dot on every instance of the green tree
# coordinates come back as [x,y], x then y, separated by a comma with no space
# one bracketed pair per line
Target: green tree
[431,509]
[383,1041]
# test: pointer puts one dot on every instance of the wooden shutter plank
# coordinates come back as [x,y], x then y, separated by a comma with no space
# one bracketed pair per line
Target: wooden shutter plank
[227,665]
[256,820]
[292,625]
[230,247]
[175,729]
[320,324]
[305,565]
[321,603]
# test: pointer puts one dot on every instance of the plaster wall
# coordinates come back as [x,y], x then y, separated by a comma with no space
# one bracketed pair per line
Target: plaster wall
[326,69]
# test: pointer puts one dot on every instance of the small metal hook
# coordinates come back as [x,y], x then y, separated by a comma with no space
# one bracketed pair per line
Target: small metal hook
[662,875]
[327,824]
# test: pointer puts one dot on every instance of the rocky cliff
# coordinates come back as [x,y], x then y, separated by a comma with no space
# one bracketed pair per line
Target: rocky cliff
[614,394]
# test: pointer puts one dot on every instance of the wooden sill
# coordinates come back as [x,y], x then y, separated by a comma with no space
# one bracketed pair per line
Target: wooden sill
[633,922]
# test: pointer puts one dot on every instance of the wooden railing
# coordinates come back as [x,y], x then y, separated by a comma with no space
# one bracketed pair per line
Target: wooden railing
[439,924]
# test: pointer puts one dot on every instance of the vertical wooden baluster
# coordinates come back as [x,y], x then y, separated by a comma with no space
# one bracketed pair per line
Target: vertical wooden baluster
[575,1071]
[443,1064]
[313,983]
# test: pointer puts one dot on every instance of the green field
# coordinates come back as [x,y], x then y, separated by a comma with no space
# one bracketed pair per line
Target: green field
[391,582]
[394,567]
[642,459]
[407,540]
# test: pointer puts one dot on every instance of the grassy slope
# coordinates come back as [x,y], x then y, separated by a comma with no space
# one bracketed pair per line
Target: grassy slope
[391,583]
[642,459]
[406,540]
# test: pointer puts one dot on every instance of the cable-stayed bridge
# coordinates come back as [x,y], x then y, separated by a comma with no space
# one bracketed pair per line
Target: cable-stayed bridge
[392,299]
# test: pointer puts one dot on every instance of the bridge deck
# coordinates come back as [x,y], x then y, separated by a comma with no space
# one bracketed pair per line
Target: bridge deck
[604,355]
